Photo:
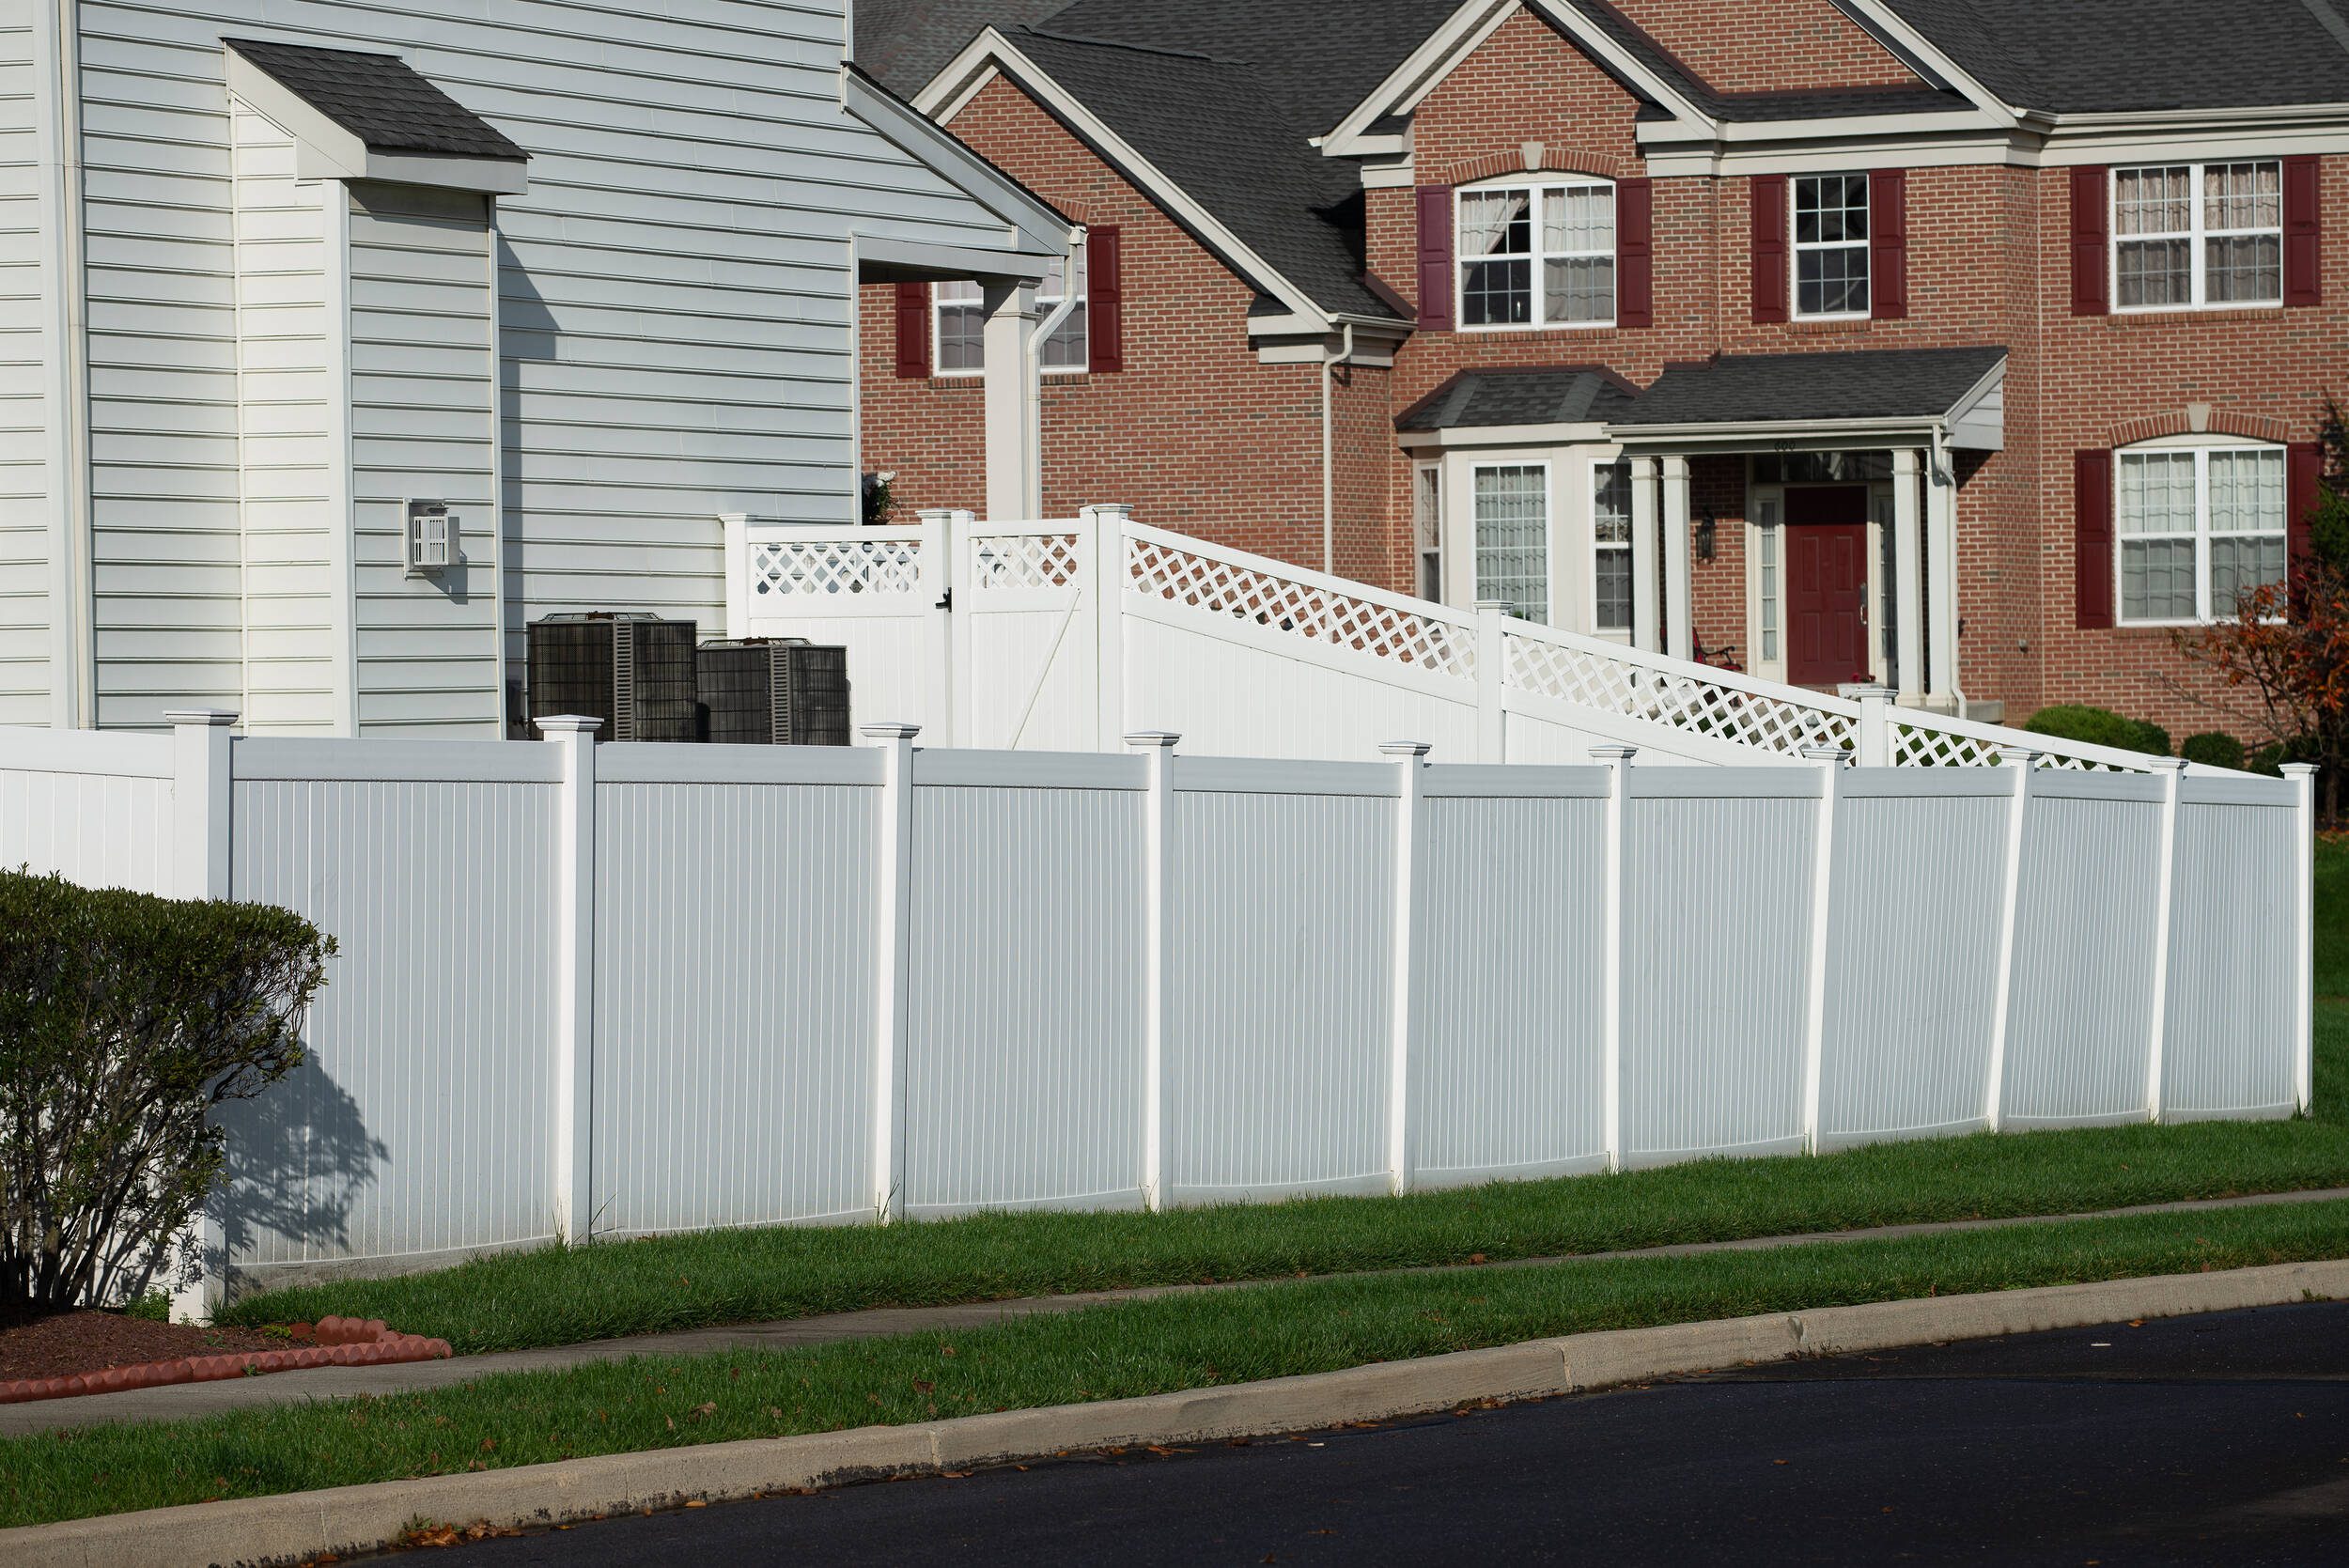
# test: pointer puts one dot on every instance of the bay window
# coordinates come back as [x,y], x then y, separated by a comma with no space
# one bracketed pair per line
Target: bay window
[2187,235]
[1611,547]
[2197,526]
[961,314]
[1538,255]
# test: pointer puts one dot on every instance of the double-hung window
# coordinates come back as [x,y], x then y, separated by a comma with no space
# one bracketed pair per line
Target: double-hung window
[2197,233]
[2198,526]
[1830,245]
[962,319]
[1427,529]
[1512,515]
[1611,547]
[1538,255]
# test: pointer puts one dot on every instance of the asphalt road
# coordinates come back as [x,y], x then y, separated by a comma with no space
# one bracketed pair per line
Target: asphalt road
[2217,1439]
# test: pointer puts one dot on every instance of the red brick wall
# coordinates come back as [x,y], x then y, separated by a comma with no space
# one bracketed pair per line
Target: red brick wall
[1194,434]
[1766,45]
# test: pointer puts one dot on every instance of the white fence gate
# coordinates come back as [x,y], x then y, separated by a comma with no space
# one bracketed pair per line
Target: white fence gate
[631,989]
[1065,635]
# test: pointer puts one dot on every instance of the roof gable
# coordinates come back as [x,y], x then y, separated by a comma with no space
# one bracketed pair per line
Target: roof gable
[377,99]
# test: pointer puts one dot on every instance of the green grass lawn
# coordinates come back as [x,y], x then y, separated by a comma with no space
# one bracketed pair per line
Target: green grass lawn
[1106,1352]
[554,1296]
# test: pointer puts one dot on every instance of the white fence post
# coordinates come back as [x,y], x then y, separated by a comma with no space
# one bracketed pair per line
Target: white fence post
[1617,760]
[2303,777]
[1872,736]
[1832,761]
[1157,746]
[1410,895]
[2169,770]
[574,977]
[738,542]
[1492,668]
[941,543]
[200,783]
[1107,528]
[893,923]
[2022,759]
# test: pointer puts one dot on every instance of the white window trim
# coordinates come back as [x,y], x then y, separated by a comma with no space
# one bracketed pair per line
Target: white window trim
[1421,550]
[1590,558]
[2203,447]
[1537,280]
[1044,305]
[1795,248]
[2194,235]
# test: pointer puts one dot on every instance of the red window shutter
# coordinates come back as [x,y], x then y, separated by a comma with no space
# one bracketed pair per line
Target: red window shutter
[1435,258]
[2092,240]
[2304,233]
[1887,243]
[1770,247]
[1635,252]
[1105,301]
[2303,487]
[2092,537]
[914,330]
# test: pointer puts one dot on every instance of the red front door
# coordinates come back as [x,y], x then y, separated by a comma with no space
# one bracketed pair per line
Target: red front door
[1826,584]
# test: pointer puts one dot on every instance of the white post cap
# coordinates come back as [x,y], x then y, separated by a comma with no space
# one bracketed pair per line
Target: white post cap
[1612,753]
[214,718]
[2296,769]
[1834,755]
[1142,740]
[1406,748]
[2019,756]
[889,729]
[567,723]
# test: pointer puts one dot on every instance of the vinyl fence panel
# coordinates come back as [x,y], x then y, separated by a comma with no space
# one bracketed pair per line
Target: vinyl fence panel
[1281,895]
[1912,959]
[94,808]
[734,954]
[1024,1057]
[2089,914]
[2232,981]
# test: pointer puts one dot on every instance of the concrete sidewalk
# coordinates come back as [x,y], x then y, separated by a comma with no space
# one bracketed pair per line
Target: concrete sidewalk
[188,1400]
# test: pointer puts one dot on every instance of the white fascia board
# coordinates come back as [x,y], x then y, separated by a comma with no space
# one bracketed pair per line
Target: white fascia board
[1036,227]
[954,261]
[2248,134]
[325,150]
[1457,437]
[1853,155]
[992,49]
[1778,434]
[1409,84]
[1879,18]
[1401,175]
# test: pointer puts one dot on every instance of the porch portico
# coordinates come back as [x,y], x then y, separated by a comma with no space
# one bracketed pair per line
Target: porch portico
[1840,472]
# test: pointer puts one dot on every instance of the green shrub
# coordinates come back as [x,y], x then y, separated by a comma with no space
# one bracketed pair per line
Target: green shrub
[2098,726]
[154,1307]
[124,1019]
[2213,750]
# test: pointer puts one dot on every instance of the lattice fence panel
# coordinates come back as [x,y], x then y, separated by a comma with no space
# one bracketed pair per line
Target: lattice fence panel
[1915,746]
[1306,609]
[1612,685]
[792,567]
[1024,560]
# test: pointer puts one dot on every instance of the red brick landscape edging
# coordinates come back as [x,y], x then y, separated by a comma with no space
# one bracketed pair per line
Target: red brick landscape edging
[335,1342]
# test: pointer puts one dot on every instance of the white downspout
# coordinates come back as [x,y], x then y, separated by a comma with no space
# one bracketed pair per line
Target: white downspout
[1939,469]
[1328,481]
[1032,367]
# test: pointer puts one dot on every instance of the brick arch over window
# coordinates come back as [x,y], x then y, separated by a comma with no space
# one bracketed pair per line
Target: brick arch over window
[2217,421]
[1493,165]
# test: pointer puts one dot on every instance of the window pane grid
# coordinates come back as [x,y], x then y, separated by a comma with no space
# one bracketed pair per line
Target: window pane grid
[962,324]
[1610,541]
[2197,233]
[2198,528]
[1513,537]
[1516,272]
[1831,244]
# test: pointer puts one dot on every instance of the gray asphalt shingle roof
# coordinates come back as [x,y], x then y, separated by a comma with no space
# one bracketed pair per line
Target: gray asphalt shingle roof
[2085,55]
[1546,394]
[1852,383]
[378,99]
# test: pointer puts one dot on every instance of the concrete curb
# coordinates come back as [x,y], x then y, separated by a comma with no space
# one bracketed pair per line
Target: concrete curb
[253,1530]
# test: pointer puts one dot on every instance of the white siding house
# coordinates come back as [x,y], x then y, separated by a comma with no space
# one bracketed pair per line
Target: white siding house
[587,274]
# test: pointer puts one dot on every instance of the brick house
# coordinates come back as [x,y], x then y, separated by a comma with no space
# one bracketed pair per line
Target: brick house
[1966,346]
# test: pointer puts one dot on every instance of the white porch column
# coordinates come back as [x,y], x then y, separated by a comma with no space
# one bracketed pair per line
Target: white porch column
[1908,577]
[1014,415]
[1644,555]
[1678,588]
[1941,572]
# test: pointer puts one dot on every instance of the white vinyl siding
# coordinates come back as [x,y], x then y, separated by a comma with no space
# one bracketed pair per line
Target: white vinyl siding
[676,304]
[424,427]
[287,435]
[25,496]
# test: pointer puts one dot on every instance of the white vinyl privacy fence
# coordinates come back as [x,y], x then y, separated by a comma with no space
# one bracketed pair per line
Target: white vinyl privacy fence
[631,989]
